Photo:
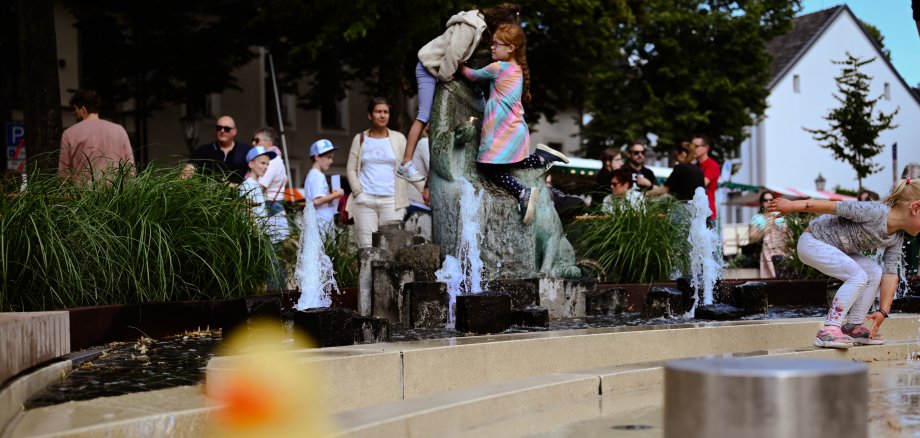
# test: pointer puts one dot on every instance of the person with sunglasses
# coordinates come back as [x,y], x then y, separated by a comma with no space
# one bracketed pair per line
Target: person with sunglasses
[643,176]
[225,155]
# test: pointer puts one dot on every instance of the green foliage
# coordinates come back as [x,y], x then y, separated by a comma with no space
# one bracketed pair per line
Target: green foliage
[854,127]
[338,245]
[796,223]
[685,66]
[637,244]
[877,36]
[127,239]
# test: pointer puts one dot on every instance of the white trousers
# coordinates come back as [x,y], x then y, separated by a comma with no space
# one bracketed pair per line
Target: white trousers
[371,211]
[860,275]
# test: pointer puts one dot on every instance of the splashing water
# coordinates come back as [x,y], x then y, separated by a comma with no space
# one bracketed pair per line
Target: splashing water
[462,272]
[903,284]
[705,266]
[314,268]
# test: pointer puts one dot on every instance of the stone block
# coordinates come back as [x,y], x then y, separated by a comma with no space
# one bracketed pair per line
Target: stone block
[391,226]
[387,298]
[530,317]
[392,239]
[719,312]
[663,302]
[419,223]
[370,329]
[30,338]
[751,297]
[906,304]
[564,298]
[326,326]
[487,312]
[605,301]
[424,258]
[240,313]
[427,304]
[524,293]
[720,292]
[367,256]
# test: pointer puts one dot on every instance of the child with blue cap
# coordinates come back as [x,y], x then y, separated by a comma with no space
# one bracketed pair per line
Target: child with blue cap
[316,186]
[276,226]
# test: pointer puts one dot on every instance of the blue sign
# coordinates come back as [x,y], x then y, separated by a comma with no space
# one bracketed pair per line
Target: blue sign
[14,133]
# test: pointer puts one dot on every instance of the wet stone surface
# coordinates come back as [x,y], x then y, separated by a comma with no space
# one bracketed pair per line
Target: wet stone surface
[128,367]
[147,364]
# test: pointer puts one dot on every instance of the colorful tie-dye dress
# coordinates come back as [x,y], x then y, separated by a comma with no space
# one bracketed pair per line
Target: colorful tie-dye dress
[505,137]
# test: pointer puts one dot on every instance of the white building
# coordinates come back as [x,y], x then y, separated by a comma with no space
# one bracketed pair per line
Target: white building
[779,153]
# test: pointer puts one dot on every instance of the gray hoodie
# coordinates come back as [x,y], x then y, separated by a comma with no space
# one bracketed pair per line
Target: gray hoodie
[442,55]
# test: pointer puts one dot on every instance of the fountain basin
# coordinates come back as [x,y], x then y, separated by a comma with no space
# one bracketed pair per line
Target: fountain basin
[483,383]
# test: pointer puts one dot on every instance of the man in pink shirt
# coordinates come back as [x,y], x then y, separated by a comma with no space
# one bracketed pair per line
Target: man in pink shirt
[92,145]
[711,172]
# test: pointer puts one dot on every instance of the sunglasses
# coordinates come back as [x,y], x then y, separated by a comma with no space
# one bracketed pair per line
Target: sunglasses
[224,128]
[256,140]
[637,152]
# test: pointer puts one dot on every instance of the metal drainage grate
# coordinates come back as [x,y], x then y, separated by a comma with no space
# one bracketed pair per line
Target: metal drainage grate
[631,427]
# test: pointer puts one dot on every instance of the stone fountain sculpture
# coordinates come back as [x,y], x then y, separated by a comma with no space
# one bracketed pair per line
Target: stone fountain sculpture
[509,249]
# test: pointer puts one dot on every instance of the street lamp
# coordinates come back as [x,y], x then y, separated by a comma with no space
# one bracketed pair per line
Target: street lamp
[191,125]
[819,182]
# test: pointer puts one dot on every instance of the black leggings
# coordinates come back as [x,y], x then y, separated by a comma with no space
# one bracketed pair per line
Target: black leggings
[500,174]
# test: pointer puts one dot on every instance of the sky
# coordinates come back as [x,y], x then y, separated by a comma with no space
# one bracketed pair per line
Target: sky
[895,20]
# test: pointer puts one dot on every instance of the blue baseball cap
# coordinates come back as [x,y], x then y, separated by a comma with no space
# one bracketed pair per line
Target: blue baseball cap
[259,150]
[321,146]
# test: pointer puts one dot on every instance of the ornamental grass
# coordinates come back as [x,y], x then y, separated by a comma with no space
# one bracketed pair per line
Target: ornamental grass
[126,238]
[636,244]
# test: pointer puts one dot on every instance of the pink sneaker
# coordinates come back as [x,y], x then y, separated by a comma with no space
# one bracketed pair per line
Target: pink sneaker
[860,335]
[830,336]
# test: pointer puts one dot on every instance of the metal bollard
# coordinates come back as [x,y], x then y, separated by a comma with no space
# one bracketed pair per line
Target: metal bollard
[765,398]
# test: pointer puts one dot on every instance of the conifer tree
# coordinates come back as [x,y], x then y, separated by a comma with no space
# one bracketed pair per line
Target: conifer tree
[854,130]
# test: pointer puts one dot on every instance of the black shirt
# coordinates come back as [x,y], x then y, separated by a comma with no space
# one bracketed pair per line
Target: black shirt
[646,172]
[684,180]
[211,159]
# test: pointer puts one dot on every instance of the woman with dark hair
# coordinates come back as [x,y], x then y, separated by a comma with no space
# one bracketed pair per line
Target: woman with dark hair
[377,195]
[771,230]
[611,159]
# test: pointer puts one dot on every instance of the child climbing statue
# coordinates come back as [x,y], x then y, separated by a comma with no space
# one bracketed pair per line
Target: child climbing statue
[833,244]
[505,138]
[438,61]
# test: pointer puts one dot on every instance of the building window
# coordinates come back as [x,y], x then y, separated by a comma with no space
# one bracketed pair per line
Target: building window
[887,91]
[796,86]
[332,115]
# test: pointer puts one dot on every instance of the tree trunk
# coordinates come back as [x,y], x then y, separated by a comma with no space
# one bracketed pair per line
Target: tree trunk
[38,57]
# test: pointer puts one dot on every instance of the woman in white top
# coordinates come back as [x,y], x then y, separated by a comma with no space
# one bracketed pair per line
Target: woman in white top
[377,195]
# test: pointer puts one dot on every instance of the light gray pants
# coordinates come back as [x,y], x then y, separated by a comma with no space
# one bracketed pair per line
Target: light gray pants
[860,275]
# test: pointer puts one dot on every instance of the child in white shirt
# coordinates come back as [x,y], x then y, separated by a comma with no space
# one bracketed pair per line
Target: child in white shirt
[322,152]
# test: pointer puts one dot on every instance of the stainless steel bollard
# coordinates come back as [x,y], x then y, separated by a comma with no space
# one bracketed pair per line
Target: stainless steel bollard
[765,397]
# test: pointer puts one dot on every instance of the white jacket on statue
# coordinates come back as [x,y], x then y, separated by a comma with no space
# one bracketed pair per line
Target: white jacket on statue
[442,55]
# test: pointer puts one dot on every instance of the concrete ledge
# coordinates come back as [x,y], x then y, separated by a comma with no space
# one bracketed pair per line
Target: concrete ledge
[14,394]
[447,413]
[30,338]
[177,412]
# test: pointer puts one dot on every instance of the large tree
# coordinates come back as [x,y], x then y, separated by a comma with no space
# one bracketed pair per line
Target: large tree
[688,66]
[42,102]
[158,53]
[855,126]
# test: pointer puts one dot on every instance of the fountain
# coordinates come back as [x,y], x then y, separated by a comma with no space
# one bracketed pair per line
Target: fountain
[463,273]
[705,263]
[314,272]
